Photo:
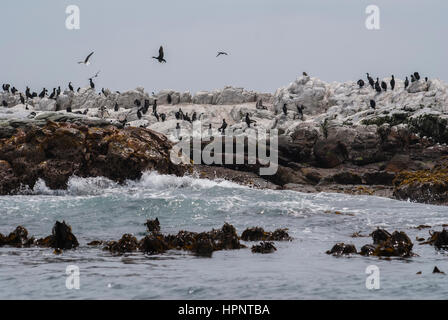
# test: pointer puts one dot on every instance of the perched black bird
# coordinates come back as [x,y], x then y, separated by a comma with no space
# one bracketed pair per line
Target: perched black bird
[86,60]
[4,103]
[163,117]
[361,83]
[412,78]
[406,83]
[13,90]
[42,94]
[194,117]
[249,121]
[154,106]
[426,79]
[53,94]
[222,53]
[70,87]
[146,106]
[285,109]
[85,112]
[34,95]
[138,103]
[371,82]
[169,99]
[392,83]
[161,56]
[22,99]
[384,85]
[58,92]
[372,104]
[139,114]
[116,108]
[6,87]
[78,89]
[305,74]
[300,110]
[157,116]
[223,127]
[92,85]
[187,118]
[417,76]
[69,109]
[377,85]
[28,94]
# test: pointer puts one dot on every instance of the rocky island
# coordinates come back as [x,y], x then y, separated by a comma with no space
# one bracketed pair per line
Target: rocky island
[330,137]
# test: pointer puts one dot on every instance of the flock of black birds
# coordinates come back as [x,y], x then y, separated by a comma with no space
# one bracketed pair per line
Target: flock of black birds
[380,87]
[142,110]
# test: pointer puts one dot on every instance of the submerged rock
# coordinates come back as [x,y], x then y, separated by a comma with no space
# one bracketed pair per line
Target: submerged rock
[380,235]
[259,234]
[18,238]
[264,247]
[342,249]
[127,243]
[397,245]
[153,225]
[61,238]
[153,244]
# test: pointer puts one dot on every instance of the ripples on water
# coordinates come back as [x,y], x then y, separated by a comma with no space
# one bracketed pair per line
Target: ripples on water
[98,208]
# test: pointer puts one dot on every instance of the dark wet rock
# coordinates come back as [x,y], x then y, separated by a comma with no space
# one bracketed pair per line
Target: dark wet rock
[153,244]
[18,238]
[437,270]
[57,151]
[279,235]
[226,238]
[63,238]
[95,243]
[153,225]
[259,234]
[380,235]
[439,239]
[425,186]
[368,250]
[128,243]
[264,247]
[184,240]
[397,245]
[203,245]
[330,153]
[253,234]
[342,249]
[347,177]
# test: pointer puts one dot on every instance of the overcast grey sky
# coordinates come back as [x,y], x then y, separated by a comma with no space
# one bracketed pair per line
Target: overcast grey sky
[270,42]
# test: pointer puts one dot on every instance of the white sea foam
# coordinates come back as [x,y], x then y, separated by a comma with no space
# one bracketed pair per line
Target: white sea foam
[78,186]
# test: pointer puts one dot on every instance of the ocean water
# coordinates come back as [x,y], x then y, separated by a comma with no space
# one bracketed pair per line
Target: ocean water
[97,208]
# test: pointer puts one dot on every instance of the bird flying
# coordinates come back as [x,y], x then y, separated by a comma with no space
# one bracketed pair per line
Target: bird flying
[222,53]
[86,61]
[160,58]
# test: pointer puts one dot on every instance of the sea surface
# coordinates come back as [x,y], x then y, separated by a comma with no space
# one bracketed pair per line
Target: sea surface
[98,209]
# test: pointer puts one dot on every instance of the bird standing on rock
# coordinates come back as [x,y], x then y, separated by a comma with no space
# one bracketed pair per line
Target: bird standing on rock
[392,83]
[417,76]
[249,121]
[371,82]
[70,87]
[384,85]
[92,85]
[372,104]
[406,83]
[377,85]
[285,109]
[223,127]
[361,83]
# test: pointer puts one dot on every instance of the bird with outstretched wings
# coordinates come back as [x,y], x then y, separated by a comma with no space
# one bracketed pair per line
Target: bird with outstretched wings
[222,53]
[161,56]
[86,61]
